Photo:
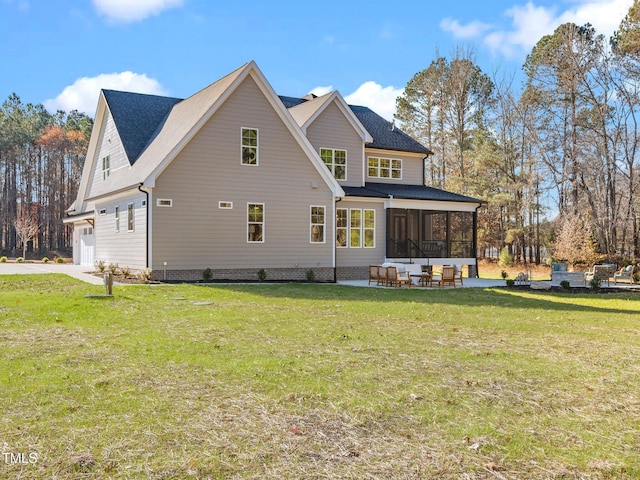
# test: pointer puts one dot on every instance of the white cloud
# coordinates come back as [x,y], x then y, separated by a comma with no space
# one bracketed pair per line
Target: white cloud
[320,91]
[529,23]
[82,95]
[470,30]
[133,10]
[381,100]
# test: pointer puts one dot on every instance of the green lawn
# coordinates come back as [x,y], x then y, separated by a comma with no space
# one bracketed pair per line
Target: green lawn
[316,381]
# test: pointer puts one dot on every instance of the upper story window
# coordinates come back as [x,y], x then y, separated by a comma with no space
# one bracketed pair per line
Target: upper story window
[106,167]
[384,168]
[249,146]
[336,162]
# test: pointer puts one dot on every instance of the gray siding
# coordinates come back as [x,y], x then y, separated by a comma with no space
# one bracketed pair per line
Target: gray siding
[195,233]
[127,249]
[110,145]
[332,130]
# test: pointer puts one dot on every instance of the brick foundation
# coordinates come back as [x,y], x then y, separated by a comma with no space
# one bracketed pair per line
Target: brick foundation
[247,275]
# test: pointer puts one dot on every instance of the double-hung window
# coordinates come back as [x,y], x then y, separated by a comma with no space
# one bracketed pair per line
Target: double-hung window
[255,222]
[317,224]
[106,167]
[249,146]
[336,162]
[342,226]
[130,218]
[384,167]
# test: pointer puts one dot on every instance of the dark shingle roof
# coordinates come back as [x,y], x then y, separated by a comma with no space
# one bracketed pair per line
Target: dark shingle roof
[385,134]
[409,192]
[138,117]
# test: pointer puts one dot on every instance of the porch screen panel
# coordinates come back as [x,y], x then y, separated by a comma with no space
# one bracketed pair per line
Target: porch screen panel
[461,234]
[434,234]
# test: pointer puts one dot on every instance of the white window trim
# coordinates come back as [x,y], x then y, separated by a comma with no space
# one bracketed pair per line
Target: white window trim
[347,228]
[106,167]
[131,217]
[365,228]
[164,202]
[323,224]
[264,221]
[390,177]
[362,227]
[333,161]
[117,218]
[257,147]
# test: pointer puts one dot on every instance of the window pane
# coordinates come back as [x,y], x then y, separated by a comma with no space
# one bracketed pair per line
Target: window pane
[368,237]
[341,237]
[340,173]
[341,218]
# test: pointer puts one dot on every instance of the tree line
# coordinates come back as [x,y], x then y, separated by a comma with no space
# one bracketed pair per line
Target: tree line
[41,160]
[570,136]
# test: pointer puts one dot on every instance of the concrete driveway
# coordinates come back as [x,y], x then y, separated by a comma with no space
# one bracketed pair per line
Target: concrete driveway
[81,272]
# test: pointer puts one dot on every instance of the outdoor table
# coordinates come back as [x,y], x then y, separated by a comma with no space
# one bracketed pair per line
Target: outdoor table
[425,278]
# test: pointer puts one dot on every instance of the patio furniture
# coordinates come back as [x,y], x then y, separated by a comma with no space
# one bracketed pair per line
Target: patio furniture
[598,272]
[423,278]
[377,274]
[458,274]
[397,278]
[625,273]
[447,276]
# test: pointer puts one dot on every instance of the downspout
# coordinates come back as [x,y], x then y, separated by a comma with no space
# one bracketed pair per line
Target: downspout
[148,222]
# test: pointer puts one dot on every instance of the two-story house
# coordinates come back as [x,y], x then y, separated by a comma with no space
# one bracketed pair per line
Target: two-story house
[238,179]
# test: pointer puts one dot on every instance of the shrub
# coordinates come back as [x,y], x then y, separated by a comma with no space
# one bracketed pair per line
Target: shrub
[565,284]
[311,276]
[59,260]
[207,274]
[595,283]
[100,265]
[3,259]
[45,260]
[262,274]
[504,274]
[506,259]
[126,272]
[113,268]
[20,260]
[511,282]
[145,275]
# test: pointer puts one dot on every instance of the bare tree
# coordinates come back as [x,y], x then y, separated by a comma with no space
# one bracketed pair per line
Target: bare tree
[27,227]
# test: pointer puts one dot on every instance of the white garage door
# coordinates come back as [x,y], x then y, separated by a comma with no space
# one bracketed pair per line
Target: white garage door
[87,246]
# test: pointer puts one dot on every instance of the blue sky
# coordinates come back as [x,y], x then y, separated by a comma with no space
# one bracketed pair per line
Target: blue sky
[62,52]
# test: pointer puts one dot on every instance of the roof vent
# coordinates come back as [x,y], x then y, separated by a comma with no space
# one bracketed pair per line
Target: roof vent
[310,96]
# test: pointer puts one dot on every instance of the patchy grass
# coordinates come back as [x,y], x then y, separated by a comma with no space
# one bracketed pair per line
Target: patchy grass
[316,381]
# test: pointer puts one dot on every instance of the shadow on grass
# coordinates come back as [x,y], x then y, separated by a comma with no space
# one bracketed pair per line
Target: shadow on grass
[471,297]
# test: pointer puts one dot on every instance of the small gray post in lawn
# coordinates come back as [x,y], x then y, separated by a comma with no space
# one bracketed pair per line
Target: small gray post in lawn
[108,283]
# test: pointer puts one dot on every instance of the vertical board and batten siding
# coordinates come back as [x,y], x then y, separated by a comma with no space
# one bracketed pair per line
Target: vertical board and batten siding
[127,249]
[195,234]
[359,257]
[332,130]
[111,146]
[412,167]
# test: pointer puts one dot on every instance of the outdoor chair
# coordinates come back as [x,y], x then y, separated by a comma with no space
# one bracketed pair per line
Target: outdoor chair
[447,276]
[458,274]
[598,272]
[397,278]
[376,274]
[625,273]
